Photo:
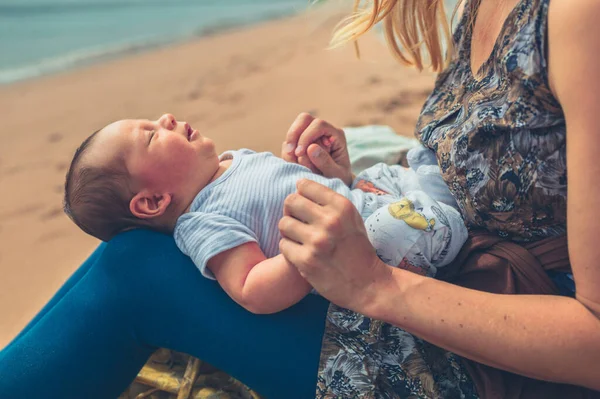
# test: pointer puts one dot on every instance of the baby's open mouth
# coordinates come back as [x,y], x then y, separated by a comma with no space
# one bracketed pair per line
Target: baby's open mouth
[191,133]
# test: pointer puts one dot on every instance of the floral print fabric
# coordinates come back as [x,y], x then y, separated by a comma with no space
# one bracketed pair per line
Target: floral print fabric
[369,359]
[500,136]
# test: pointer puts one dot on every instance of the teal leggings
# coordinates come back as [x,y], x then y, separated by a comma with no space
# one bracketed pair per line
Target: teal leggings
[138,293]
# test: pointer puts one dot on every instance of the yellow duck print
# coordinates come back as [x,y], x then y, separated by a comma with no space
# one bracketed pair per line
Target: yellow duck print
[405,210]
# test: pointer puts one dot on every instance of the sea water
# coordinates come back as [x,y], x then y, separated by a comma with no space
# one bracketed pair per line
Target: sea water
[43,36]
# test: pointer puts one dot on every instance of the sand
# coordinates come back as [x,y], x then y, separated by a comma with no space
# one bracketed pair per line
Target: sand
[243,88]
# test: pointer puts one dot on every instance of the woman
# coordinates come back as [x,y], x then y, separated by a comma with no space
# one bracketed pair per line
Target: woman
[98,330]
[521,72]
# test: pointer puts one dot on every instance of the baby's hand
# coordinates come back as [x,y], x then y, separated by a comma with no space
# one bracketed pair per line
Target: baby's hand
[319,146]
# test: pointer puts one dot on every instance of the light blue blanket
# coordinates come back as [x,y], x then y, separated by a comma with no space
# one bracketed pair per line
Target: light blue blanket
[368,145]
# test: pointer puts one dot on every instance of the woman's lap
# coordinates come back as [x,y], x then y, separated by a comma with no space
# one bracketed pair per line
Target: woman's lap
[139,293]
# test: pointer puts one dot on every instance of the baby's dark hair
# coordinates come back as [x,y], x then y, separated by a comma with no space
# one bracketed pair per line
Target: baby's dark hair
[97,197]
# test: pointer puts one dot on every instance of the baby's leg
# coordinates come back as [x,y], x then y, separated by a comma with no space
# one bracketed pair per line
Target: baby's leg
[397,181]
[382,179]
[141,293]
[416,233]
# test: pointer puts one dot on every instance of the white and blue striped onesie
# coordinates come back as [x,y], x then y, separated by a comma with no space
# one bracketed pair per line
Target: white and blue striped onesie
[245,204]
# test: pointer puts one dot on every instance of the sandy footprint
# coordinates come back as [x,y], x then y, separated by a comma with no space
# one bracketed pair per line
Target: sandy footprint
[53,213]
[53,235]
[19,212]
[54,137]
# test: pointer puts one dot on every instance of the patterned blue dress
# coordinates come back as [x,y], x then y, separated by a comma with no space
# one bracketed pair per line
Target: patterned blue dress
[500,140]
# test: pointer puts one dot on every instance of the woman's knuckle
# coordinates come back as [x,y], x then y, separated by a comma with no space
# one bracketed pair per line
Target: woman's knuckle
[308,259]
[305,161]
[323,246]
[336,227]
[283,224]
[304,116]
[314,237]
[330,221]
[345,207]
[290,199]
[282,246]
[319,240]
[302,183]
[320,123]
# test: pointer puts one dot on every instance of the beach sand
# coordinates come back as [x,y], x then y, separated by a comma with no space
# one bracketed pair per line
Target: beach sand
[243,88]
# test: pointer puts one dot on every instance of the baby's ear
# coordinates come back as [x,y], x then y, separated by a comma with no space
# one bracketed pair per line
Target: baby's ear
[147,206]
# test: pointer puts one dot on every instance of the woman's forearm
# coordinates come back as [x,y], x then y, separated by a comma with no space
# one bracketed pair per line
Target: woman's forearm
[544,337]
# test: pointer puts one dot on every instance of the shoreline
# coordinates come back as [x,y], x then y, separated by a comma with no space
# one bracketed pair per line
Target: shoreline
[242,88]
[95,55]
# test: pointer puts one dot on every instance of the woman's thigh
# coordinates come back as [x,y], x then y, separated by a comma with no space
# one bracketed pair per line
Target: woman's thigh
[142,293]
[177,308]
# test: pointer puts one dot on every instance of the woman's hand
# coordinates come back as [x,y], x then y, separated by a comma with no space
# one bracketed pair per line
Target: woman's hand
[316,144]
[325,238]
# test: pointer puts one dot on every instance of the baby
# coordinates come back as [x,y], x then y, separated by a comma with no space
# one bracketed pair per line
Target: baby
[223,211]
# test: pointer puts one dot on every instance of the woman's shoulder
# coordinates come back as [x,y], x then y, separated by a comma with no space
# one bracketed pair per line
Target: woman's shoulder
[564,10]
[573,34]
[574,20]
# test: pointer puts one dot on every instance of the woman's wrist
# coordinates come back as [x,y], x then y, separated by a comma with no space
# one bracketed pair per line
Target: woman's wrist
[387,299]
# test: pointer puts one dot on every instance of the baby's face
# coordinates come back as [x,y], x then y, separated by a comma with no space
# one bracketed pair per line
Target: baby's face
[161,156]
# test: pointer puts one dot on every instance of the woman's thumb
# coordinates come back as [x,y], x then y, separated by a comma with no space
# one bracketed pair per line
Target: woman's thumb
[322,160]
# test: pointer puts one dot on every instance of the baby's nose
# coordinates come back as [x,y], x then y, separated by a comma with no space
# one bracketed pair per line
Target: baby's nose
[168,121]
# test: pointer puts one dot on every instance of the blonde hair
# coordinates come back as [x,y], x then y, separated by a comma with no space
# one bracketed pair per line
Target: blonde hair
[408,25]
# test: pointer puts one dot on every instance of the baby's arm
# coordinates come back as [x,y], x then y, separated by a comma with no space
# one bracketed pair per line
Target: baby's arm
[258,284]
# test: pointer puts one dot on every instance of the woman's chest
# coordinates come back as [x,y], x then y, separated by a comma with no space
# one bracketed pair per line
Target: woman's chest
[488,24]
[500,137]
[510,90]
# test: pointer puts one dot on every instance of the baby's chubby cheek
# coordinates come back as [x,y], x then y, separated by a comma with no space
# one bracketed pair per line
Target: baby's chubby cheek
[151,177]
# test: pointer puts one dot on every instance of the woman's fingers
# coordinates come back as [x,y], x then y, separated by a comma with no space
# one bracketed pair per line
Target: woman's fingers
[323,162]
[296,130]
[302,209]
[294,230]
[313,241]
[317,130]
[286,154]
[319,194]
[306,162]
[292,251]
